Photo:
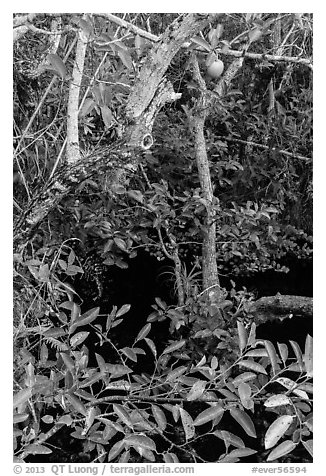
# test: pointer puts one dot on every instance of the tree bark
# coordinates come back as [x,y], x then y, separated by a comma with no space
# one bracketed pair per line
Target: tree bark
[150,92]
[279,307]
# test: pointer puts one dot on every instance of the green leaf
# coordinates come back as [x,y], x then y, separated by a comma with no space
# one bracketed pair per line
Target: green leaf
[208,415]
[187,423]
[243,337]
[175,346]
[245,377]
[78,338]
[143,332]
[281,450]
[277,401]
[201,42]
[298,353]
[69,363]
[308,356]
[116,450]
[172,376]
[308,444]
[22,396]
[123,310]
[151,345]
[19,417]
[118,370]
[252,334]
[77,404]
[36,449]
[252,365]
[129,353]
[57,63]
[85,319]
[244,420]
[284,351]
[277,430]
[244,391]
[272,356]
[196,390]
[241,452]
[122,414]
[140,440]
[136,195]
[159,417]
[257,353]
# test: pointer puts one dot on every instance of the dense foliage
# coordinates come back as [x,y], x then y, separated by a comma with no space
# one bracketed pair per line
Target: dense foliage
[211,380]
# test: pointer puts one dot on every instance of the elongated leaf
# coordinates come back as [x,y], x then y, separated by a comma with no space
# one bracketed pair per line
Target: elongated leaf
[19,417]
[116,450]
[277,401]
[176,373]
[69,363]
[309,446]
[208,415]
[151,345]
[22,396]
[244,420]
[282,449]
[175,346]
[143,332]
[229,438]
[129,353]
[277,430]
[244,391]
[187,423]
[243,337]
[284,351]
[308,356]
[77,404]
[57,63]
[257,353]
[78,338]
[85,319]
[123,310]
[123,415]
[272,356]
[170,458]
[196,390]
[140,440]
[159,416]
[35,449]
[241,452]
[298,353]
[252,365]
[201,42]
[245,377]
[252,334]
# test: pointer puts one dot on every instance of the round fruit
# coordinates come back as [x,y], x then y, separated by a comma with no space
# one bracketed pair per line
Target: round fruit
[215,69]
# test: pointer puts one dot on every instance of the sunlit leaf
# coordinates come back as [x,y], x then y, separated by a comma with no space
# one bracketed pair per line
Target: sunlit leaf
[175,346]
[36,449]
[22,396]
[252,365]
[277,430]
[196,390]
[208,415]
[140,440]
[277,401]
[187,423]
[272,356]
[281,450]
[159,416]
[242,334]
[122,414]
[244,420]
[308,444]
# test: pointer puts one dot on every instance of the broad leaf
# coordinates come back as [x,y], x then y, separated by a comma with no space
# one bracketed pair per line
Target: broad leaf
[244,420]
[281,450]
[277,430]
